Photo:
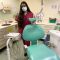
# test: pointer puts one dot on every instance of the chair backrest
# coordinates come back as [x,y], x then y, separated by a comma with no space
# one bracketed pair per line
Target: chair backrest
[33,33]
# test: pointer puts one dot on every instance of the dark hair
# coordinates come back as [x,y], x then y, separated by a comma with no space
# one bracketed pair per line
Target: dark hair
[21,13]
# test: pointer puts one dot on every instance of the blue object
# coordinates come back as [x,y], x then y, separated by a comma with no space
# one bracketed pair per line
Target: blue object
[41,52]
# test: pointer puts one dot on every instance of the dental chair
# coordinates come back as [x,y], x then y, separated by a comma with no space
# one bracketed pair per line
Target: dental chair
[36,51]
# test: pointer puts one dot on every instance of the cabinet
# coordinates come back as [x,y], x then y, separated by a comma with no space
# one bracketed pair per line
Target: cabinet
[4,31]
[55,40]
[2,38]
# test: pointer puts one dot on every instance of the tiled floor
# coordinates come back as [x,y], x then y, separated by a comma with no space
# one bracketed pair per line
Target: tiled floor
[3,55]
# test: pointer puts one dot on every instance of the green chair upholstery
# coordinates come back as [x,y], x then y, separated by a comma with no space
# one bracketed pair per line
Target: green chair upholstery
[33,33]
[41,52]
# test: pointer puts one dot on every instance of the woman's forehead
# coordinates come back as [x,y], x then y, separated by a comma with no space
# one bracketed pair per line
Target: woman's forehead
[23,4]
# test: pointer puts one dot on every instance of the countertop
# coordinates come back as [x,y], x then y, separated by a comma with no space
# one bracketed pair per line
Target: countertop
[45,23]
[11,22]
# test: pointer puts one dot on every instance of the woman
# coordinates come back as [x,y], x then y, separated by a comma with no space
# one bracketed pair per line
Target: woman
[23,18]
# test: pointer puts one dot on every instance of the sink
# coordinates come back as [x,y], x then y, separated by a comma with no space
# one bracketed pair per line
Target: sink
[5,24]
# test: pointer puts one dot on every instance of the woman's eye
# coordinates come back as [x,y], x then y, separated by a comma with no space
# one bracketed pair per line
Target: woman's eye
[23,6]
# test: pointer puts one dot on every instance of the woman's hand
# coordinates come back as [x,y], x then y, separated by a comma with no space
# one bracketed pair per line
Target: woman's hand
[16,18]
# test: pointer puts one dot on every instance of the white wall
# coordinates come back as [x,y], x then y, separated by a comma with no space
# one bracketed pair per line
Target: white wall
[35,6]
[51,8]
[14,4]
